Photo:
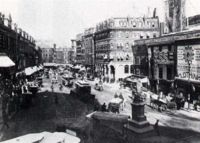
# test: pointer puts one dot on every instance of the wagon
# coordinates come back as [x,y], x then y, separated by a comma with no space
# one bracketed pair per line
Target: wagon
[114,105]
[68,80]
[98,87]
[162,105]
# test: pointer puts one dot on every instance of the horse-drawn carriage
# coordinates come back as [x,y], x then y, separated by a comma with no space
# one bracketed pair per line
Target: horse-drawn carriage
[115,104]
[99,86]
[162,104]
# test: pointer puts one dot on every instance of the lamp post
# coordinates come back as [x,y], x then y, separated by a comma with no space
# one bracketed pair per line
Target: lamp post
[188,56]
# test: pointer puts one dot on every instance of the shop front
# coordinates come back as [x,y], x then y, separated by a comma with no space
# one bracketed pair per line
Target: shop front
[188,68]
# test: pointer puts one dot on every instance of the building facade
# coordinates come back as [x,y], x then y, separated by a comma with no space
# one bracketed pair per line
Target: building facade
[88,44]
[18,45]
[80,50]
[48,55]
[173,62]
[113,41]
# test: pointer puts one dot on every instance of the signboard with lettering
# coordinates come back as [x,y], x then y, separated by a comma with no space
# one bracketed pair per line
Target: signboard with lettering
[188,62]
[162,57]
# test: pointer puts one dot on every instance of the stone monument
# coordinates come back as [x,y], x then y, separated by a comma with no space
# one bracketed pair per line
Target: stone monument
[138,125]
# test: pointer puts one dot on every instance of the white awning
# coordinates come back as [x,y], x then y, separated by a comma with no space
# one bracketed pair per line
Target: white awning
[30,70]
[49,64]
[5,61]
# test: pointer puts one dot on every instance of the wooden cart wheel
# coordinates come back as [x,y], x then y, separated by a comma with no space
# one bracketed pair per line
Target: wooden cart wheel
[163,107]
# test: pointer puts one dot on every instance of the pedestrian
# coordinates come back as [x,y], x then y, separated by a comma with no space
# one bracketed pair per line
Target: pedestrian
[56,98]
[116,95]
[5,119]
[61,87]
[123,101]
[103,107]
[156,127]
[52,88]
[5,100]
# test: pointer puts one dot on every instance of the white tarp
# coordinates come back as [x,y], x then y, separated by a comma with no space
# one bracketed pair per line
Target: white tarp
[5,61]
[116,100]
[45,137]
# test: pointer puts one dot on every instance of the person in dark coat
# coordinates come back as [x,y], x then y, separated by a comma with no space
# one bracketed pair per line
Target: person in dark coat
[156,127]
[103,107]
[5,100]
[5,119]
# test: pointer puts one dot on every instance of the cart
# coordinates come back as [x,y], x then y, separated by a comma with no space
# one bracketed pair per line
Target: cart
[114,105]
[67,80]
[98,87]
[162,105]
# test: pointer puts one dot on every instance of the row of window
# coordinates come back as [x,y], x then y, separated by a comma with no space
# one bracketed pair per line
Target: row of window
[127,23]
[128,69]
[127,34]
[137,24]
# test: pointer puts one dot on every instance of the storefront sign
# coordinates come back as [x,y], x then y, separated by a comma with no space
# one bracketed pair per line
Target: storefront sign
[188,65]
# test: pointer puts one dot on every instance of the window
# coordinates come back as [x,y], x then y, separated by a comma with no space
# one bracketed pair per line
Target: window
[169,48]
[138,71]
[169,73]
[154,35]
[111,46]
[132,69]
[127,57]
[127,45]
[160,73]
[133,23]
[147,36]
[160,48]
[127,34]
[137,60]
[126,69]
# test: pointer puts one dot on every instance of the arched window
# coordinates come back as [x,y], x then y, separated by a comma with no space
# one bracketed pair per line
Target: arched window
[126,69]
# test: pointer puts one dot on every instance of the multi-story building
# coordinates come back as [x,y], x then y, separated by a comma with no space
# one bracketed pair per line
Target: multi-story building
[18,45]
[80,50]
[71,54]
[61,55]
[48,54]
[113,41]
[88,44]
[172,62]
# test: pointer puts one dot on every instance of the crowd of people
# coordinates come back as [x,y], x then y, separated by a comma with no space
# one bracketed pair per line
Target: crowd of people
[12,96]
[179,100]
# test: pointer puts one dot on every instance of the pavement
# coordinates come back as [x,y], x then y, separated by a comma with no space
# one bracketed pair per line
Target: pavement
[45,115]
[181,119]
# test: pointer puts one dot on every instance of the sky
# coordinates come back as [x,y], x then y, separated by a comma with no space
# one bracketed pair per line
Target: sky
[60,20]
